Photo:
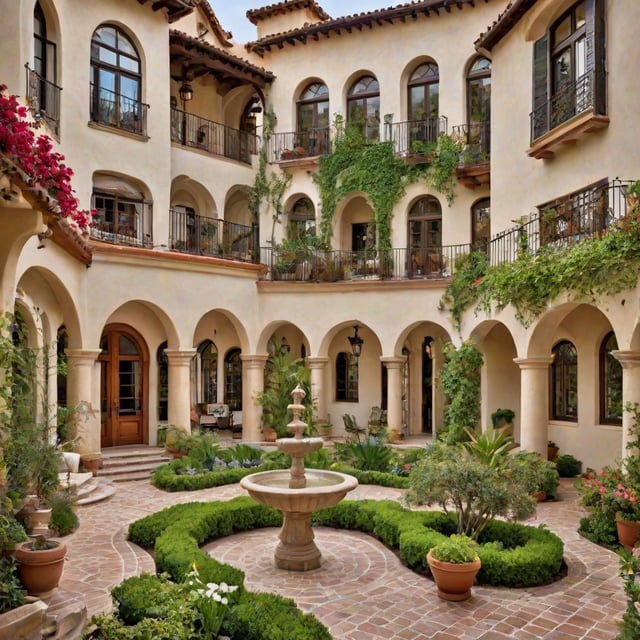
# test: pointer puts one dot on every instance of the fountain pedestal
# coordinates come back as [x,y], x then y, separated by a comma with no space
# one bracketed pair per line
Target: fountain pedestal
[298,494]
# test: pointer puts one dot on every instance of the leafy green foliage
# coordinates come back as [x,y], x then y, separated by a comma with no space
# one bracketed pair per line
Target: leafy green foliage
[12,593]
[490,447]
[457,548]
[460,379]
[63,518]
[604,264]
[568,466]
[369,454]
[441,174]
[459,482]
[373,169]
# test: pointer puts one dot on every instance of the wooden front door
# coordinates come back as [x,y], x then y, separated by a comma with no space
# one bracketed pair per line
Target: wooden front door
[124,366]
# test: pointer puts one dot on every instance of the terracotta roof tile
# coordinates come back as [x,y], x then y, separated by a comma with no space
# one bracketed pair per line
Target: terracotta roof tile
[503,24]
[255,15]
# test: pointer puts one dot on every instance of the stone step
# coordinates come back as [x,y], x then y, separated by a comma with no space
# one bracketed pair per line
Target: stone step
[122,464]
[96,491]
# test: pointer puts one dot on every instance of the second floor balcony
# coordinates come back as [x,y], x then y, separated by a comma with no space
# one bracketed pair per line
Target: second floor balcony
[44,100]
[118,110]
[416,138]
[212,137]
[296,145]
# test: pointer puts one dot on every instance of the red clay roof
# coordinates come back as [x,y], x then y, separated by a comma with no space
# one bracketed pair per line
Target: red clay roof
[503,24]
[255,15]
[380,17]
[175,9]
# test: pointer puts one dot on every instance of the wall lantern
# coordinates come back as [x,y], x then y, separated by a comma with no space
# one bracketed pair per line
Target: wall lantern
[356,342]
[186,92]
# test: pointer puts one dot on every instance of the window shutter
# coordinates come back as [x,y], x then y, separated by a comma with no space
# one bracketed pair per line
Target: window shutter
[539,116]
[595,28]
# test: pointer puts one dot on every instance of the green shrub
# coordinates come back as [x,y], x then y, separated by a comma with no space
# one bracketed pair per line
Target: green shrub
[63,518]
[568,466]
[457,549]
[265,616]
[370,454]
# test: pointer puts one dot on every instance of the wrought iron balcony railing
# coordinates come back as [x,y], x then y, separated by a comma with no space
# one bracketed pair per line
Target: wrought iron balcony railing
[415,137]
[572,99]
[299,144]
[475,138]
[204,236]
[118,110]
[215,138]
[44,99]
[372,264]
[130,226]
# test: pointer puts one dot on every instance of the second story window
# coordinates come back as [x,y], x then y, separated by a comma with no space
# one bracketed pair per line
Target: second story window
[479,107]
[363,104]
[313,119]
[301,222]
[569,67]
[116,81]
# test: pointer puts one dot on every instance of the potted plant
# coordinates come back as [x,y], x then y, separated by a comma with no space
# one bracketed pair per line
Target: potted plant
[552,450]
[454,563]
[283,373]
[11,531]
[178,442]
[502,417]
[40,564]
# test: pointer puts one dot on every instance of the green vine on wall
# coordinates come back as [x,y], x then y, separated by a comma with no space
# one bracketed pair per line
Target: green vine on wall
[604,264]
[374,169]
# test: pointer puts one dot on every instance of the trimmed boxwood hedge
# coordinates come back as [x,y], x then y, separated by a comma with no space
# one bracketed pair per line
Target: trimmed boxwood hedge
[513,555]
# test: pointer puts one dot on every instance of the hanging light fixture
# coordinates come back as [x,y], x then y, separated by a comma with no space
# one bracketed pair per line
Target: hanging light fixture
[185,92]
[356,342]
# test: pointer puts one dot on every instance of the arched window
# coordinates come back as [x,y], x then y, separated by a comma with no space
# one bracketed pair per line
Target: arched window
[313,119]
[479,108]
[481,225]
[610,382]
[564,382]
[62,365]
[301,220]
[363,107]
[163,382]
[346,377]
[123,216]
[42,90]
[208,374]
[116,81]
[425,237]
[233,380]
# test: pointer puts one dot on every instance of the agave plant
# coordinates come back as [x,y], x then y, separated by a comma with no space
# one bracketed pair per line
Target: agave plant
[491,446]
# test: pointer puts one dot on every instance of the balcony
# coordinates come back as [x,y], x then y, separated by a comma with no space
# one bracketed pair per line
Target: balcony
[568,116]
[118,111]
[370,265]
[44,100]
[204,236]
[474,168]
[415,139]
[299,146]
[212,137]
[130,227]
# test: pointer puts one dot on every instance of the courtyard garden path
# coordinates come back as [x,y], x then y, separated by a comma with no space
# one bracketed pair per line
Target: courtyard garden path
[362,591]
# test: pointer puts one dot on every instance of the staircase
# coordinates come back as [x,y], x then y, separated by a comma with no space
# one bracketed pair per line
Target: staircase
[135,462]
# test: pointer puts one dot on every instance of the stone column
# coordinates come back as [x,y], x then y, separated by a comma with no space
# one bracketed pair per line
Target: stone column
[83,392]
[317,366]
[534,403]
[630,361]
[179,379]
[252,385]
[394,367]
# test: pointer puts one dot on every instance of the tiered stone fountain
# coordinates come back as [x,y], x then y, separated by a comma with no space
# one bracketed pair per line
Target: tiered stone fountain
[297,493]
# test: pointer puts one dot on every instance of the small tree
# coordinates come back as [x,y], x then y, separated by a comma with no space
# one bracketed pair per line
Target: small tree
[283,373]
[457,480]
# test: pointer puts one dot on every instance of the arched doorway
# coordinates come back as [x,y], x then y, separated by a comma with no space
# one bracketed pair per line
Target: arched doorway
[124,382]
[427,385]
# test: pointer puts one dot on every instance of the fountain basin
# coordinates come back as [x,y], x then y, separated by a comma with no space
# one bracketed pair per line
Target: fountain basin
[296,550]
[324,489]
[299,446]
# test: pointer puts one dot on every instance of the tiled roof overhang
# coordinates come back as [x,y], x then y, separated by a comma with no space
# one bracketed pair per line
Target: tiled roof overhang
[224,36]
[255,15]
[175,9]
[199,58]
[380,17]
[503,24]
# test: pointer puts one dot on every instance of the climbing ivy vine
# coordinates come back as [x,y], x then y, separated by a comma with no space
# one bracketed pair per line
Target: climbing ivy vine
[374,169]
[604,264]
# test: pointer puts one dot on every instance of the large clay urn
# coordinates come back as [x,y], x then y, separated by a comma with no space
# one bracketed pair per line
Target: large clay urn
[40,570]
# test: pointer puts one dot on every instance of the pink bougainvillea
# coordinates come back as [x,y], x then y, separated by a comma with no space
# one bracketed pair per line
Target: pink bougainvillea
[36,158]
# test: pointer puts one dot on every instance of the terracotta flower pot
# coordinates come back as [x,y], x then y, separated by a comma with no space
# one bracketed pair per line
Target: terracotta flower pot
[628,532]
[454,581]
[40,570]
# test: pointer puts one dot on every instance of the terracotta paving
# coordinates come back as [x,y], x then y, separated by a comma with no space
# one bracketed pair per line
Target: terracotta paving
[362,591]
